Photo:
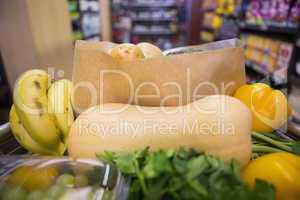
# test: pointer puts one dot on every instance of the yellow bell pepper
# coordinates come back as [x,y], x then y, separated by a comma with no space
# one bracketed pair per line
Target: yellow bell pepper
[280,169]
[270,108]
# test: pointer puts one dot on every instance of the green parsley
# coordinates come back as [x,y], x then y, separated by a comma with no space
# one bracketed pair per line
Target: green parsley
[184,174]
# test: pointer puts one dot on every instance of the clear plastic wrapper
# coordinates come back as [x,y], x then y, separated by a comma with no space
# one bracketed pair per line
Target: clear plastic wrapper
[64,178]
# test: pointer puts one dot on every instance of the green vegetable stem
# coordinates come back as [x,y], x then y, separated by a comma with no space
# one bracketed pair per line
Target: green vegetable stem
[271,143]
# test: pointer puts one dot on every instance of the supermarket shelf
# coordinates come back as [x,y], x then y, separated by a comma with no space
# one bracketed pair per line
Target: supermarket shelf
[277,80]
[119,28]
[149,6]
[90,12]
[268,29]
[256,68]
[154,19]
[74,16]
[208,29]
[154,33]
[208,9]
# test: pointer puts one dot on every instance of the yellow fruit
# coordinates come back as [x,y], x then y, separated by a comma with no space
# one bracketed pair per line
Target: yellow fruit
[33,178]
[217,22]
[230,9]
[59,102]
[24,138]
[149,50]
[126,52]
[270,108]
[220,10]
[31,103]
[280,169]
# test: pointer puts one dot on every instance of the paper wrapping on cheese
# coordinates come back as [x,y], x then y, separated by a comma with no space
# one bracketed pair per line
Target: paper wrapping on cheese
[175,79]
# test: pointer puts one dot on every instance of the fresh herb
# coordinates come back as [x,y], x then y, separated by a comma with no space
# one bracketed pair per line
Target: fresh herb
[184,174]
[271,143]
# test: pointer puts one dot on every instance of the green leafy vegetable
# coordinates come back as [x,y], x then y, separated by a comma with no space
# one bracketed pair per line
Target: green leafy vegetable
[184,174]
[263,143]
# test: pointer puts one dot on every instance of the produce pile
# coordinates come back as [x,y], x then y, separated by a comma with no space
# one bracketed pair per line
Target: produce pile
[247,161]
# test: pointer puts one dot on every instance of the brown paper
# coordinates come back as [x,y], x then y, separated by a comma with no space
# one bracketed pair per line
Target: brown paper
[216,68]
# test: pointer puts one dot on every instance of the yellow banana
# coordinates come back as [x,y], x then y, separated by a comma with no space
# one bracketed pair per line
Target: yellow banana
[24,138]
[31,104]
[59,102]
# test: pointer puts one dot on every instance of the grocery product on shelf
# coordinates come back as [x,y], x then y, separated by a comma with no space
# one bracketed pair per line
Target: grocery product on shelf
[295,13]
[223,7]
[269,29]
[281,13]
[269,57]
[217,17]
[155,21]
[268,54]
[85,18]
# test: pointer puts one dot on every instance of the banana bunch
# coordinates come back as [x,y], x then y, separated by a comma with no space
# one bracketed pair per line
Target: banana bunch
[42,113]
